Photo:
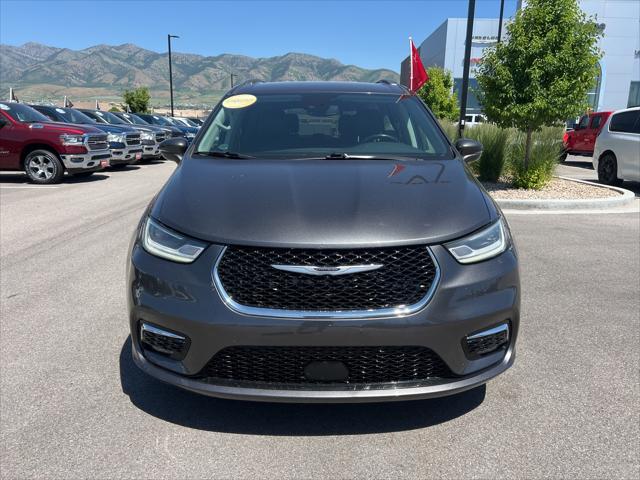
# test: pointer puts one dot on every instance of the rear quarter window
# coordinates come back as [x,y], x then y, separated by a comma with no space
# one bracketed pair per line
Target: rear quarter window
[625,122]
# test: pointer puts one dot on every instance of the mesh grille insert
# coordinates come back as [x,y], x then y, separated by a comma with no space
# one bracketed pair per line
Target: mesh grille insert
[286,365]
[247,276]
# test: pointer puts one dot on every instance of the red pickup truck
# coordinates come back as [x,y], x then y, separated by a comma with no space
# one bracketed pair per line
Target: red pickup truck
[45,150]
[582,139]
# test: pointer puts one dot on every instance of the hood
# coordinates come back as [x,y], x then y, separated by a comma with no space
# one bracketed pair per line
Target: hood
[114,128]
[70,128]
[142,128]
[149,128]
[322,203]
[186,129]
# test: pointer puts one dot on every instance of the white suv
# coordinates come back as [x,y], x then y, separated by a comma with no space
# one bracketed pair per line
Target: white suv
[616,156]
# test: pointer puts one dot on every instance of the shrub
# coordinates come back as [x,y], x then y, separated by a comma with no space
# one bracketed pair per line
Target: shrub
[494,141]
[546,148]
[450,128]
[438,94]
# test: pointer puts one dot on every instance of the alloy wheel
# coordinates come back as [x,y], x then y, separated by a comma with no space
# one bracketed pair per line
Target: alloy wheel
[42,167]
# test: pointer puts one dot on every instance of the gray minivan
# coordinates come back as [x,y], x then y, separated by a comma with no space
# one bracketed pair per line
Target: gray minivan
[323,241]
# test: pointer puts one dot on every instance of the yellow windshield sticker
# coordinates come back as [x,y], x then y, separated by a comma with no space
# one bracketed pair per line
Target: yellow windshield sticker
[239,101]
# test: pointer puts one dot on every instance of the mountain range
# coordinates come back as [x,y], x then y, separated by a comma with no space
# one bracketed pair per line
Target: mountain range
[40,72]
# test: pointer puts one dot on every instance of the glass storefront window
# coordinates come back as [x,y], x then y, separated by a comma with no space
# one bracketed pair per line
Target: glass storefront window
[634,95]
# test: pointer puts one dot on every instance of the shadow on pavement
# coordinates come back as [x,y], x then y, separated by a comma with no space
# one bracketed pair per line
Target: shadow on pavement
[586,164]
[206,413]
[22,179]
[123,168]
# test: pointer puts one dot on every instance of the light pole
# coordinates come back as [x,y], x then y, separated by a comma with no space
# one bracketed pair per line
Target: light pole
[169,37]
[465,72]
[500,23]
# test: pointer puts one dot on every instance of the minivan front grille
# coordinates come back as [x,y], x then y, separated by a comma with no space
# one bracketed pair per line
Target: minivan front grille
[97,142]
[246,277]
[284,365]
[133,139]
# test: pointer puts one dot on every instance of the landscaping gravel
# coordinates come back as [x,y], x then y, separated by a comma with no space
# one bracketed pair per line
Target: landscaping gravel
[556,189]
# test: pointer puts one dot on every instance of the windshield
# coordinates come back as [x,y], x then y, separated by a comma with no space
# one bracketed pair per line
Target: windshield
[23,113]
[136,120]
[74,116]
[322,124]
[110,118]
[157,120]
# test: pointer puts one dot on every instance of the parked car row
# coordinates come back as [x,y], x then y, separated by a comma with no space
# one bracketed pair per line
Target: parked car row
[616,155]
[47,141]
[612,139]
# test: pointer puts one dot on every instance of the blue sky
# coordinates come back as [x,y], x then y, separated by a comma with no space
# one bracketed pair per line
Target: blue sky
[370,34]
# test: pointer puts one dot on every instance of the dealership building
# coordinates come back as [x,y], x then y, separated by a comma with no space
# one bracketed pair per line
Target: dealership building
[617,85]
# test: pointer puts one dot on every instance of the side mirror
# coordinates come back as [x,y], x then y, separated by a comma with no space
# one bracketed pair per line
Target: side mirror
[469,149]
[174,148]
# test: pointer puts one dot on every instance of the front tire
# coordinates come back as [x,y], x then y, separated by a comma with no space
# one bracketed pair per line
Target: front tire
[608,170]
[43,167]
[563,156]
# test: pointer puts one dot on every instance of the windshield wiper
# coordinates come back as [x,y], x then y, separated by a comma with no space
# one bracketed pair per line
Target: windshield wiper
[224,154]
[347,156]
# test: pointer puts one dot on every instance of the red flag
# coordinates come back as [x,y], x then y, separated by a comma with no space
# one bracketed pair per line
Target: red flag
[419,75]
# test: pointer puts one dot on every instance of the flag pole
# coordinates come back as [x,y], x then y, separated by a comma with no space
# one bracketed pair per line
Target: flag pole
[410,64]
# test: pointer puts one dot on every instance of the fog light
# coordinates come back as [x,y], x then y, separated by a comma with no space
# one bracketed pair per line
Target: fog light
[163,341]
[486,341]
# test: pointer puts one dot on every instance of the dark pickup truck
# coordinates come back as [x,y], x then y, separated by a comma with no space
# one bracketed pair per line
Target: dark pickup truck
[29,141]
[124,142]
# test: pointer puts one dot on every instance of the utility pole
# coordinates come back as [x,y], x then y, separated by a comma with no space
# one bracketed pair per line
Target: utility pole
[500,23]
[465,72]
[169,37]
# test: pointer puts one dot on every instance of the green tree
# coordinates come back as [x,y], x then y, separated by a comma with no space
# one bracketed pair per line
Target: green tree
[438,94]
[541,73]
[137,99]
[114,109]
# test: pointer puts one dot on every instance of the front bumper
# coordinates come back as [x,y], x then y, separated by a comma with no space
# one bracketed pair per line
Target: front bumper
[181,298]
[126,155]
[85,162]
[151,151]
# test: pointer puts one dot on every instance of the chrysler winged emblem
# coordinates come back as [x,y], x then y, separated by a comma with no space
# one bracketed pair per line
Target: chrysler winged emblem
[313,270]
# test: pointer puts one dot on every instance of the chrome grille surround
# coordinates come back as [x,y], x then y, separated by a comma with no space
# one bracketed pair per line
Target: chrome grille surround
[96,141]
[399,311]
[132,139]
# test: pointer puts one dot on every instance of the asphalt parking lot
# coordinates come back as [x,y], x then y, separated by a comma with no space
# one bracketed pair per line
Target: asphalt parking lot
[72,404]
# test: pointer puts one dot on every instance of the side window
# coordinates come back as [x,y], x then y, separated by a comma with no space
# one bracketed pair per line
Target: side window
[584,121]
[596,121]
[624,122]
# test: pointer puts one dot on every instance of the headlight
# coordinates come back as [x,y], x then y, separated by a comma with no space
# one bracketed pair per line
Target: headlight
[72,139]
[487,243]
[165,243]
[116,137]
[147,136]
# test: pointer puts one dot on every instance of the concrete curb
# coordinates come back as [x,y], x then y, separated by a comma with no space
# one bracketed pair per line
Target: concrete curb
[625,198]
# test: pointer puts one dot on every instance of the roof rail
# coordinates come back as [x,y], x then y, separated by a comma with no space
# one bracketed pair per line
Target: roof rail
[382,80]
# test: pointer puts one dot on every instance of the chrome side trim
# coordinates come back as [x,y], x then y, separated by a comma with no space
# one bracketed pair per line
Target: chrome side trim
[158,331]
[491,331]
[400,311]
